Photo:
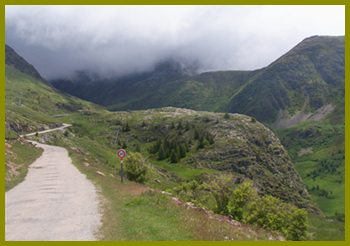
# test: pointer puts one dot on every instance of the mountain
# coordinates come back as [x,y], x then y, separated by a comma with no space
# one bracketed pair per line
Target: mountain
[168,85]
[12,58]
[307,78]
[306,83]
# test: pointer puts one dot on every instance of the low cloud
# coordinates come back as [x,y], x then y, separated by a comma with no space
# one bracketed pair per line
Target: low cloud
[117,40]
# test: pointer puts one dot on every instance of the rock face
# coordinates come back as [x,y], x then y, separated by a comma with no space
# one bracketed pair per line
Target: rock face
[247,147]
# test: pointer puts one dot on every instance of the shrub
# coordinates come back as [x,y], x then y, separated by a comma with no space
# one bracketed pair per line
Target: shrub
[241,199]
[244,204]
[268,212]
[135,168]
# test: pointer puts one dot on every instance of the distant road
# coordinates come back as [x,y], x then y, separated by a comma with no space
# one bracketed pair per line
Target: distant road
[54,202]
[46,131]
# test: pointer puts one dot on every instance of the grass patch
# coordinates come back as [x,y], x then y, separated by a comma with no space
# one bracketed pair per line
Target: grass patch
[18,157]
[326,229]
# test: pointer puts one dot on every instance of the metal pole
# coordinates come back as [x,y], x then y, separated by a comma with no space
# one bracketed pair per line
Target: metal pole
[121,171]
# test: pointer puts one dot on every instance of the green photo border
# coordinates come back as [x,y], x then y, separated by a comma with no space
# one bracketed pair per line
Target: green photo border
[177,2]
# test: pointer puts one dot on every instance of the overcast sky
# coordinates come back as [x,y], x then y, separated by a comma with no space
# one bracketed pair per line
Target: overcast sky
[117,40]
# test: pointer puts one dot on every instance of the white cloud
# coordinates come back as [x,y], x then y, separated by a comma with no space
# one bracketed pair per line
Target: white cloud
[122,39]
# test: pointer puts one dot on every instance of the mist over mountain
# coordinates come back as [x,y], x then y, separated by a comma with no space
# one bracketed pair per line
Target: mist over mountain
[307,78]
[116,41]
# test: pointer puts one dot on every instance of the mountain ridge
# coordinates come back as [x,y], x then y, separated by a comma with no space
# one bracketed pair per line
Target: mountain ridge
[312,69]
[12,58]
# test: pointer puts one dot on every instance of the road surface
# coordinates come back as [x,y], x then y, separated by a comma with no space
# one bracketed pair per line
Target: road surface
[54,202]
[46,131]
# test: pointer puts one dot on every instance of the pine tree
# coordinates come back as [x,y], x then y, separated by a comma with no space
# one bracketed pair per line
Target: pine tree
[200,144]
[173,157]
[182,150]
[155,148]
[161,153]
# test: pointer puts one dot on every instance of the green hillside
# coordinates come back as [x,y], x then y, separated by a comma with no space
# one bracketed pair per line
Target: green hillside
[317,150]
[12,58]
[308,77]
[207,91]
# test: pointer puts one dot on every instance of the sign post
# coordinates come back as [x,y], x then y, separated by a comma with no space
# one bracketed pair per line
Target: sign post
[121,154]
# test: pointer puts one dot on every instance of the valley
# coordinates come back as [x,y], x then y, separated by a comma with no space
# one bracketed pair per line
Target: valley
[175,144]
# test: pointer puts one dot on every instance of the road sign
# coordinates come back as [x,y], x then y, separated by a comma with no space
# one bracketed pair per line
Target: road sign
[121,154]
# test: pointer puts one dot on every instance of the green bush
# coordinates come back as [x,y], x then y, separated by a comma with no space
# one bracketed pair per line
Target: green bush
[244,204]
[242,197]
[268,212]
[136,168]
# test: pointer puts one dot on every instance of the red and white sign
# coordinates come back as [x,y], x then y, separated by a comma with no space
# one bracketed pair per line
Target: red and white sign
[121,154]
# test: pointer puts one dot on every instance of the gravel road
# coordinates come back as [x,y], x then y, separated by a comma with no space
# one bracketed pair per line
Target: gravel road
[54,202]
[61,128]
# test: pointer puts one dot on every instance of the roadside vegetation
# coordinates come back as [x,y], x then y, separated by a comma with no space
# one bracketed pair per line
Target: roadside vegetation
[19,155]
[243,203]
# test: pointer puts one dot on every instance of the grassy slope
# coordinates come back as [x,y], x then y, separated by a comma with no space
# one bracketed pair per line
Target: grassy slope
[207,91]
[90,142]
[19,155]
[306,78]
[34,104]
[327,143]
[322,168]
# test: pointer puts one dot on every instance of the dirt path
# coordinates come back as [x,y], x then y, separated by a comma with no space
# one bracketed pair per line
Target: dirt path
[61,128]
[54,202]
